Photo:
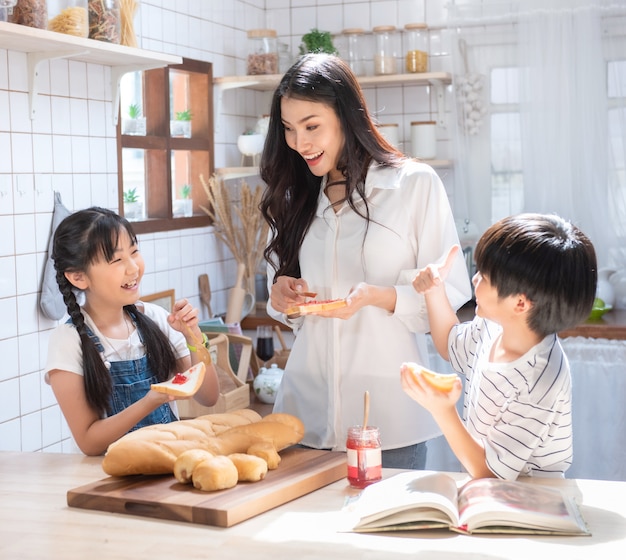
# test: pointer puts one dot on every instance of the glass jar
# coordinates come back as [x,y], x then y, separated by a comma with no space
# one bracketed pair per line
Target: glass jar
[354,55]
[105,20]
[262,52]
[284,58]
[364,456]
[416,47]
[32,13]
[69,17]
[386,53]
[424,139]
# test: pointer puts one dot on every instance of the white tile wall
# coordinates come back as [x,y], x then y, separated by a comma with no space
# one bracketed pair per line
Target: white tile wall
[70,147]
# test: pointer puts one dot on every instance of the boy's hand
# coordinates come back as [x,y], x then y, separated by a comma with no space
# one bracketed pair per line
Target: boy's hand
[434,274]
[433,400]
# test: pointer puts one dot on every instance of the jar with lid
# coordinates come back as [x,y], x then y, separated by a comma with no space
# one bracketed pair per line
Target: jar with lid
[364,456]
[390,132]
[386,53]
[416,47]
[32,13]
[69,17]
[424,139]
[354,53]
[105,20]
[262,52]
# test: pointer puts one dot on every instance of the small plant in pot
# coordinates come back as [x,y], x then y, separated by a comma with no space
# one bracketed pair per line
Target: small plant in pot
[183,206]
[133,207]
[134,124]
[316,41]
[181,125]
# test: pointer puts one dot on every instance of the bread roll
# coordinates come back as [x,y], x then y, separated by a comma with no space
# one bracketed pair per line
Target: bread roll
[215,473]
[187,461]
[249,467]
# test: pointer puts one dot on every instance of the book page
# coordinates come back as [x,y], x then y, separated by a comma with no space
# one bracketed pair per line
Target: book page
[407,497]
[491,502]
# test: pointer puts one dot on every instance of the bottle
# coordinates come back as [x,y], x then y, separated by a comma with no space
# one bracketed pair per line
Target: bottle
[69,17]
[386,50]
[262,52]
[354,55]
[416,47]
[32,13]
[105,20]
[364,456]
[424,139]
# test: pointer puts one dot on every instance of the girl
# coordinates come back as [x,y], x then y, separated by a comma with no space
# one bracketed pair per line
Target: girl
[102,362]
[350,216]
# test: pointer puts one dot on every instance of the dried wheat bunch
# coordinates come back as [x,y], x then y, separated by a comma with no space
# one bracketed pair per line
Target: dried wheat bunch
[239,225]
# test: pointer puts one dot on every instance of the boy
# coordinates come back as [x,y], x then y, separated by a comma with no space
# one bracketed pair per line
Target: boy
[536,275]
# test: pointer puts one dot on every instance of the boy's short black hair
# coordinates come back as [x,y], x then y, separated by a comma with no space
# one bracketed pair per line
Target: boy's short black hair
[545,258]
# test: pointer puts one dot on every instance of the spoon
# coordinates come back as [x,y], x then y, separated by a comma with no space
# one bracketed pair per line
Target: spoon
[366,409]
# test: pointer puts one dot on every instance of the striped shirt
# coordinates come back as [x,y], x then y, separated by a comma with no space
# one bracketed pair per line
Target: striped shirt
[521,410]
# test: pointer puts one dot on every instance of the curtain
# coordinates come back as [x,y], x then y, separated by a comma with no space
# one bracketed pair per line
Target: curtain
[570,57]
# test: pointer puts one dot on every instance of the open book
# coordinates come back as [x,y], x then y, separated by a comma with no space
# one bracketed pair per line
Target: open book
[418,500]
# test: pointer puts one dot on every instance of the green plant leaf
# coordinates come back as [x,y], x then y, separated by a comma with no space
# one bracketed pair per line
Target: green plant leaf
[317,41]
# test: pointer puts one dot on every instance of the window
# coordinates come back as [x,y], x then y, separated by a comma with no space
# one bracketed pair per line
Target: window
[165,143]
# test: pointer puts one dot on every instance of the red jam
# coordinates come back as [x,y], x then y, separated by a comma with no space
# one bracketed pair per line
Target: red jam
[364,456]
[179,379]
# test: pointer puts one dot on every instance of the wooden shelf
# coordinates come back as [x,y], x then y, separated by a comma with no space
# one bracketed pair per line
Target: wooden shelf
[43,45]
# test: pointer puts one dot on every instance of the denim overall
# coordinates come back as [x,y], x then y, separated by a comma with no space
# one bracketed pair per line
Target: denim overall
[131,381]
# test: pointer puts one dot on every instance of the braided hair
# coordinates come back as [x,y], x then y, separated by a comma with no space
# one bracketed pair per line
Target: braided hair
[80,240]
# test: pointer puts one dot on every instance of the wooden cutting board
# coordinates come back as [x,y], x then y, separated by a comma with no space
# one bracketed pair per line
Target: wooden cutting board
[300,471]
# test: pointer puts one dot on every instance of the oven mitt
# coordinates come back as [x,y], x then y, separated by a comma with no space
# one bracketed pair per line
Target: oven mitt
[51,300]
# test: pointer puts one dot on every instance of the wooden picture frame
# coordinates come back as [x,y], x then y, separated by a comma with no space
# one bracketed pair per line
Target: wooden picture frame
[165,299]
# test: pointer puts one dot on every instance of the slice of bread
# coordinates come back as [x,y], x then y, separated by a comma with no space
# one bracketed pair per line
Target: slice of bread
[440,381]
[184,384]
[315,306]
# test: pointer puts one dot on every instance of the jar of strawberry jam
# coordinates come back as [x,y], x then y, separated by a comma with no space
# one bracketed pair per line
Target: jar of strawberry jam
[364,456]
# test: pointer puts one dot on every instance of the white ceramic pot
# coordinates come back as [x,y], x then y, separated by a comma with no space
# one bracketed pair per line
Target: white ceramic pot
[250,144]
[605,290]
[266,383]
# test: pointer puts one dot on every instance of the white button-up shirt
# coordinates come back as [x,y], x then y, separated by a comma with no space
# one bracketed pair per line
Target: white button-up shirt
[334,361]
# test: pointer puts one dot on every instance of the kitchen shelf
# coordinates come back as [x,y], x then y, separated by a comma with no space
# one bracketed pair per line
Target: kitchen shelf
[227,173]
[268,82]
[43,45]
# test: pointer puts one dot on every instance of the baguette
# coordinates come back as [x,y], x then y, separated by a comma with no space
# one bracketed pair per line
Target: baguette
[185,384]
[315,306]
[154,449]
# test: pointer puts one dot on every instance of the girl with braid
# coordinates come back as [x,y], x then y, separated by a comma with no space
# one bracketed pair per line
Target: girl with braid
[102,361]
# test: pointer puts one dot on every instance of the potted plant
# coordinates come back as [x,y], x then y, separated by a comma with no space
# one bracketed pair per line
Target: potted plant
[250,143]
[133,207]
[183,206]
[135,124]
[316,41]
[181,125]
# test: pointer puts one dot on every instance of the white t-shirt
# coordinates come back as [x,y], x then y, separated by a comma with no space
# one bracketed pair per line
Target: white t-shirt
[65,351]
[521,410]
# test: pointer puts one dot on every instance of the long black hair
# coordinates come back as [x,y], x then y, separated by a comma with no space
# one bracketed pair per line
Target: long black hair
[290,199]
[81,239]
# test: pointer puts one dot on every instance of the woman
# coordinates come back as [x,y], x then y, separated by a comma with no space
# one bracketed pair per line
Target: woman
[350,217]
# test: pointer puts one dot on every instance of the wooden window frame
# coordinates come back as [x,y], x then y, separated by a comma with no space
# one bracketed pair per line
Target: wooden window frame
[159,145]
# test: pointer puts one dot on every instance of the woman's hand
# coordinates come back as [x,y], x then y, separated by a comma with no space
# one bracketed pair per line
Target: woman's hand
[287,292]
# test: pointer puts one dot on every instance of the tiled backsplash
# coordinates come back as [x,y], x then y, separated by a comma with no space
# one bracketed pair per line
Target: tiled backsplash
[70,147]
